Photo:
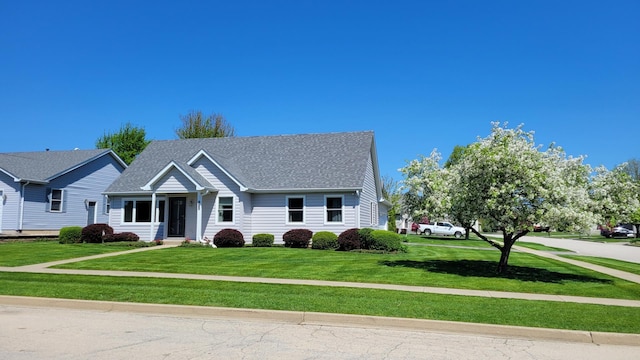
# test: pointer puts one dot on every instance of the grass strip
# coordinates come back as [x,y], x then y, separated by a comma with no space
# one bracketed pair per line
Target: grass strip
[630,267]
[20,253]
[326,299]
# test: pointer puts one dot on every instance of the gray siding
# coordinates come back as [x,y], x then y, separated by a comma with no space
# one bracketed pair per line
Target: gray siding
[174,182]
[11,189]
[369,196]
[270,214]
[85,183]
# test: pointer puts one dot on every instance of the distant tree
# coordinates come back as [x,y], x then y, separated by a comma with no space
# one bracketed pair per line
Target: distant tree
[616,194]
[127,143]
[633,169]
[456,156]
[196,125]
[391,192]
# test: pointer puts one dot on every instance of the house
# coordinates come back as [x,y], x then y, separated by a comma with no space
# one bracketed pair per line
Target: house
[263,184]
[47,190]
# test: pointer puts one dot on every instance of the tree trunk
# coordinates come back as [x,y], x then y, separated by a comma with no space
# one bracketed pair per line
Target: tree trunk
[505,252]
[466,235]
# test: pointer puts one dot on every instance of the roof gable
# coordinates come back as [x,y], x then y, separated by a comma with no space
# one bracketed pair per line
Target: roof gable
[44,166]
[193,176]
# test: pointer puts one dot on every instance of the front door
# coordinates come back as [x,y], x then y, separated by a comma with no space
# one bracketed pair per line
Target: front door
[177,209]
[91,212]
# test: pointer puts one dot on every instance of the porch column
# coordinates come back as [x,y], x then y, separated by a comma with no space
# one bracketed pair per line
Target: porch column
[153,215]
[199,216]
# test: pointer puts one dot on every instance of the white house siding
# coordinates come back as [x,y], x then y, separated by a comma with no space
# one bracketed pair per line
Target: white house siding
[174,182]
[225,187]
[10,203]
[270,214]
[84,183]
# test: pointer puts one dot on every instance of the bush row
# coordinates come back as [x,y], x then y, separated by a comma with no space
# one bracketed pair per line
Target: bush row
[94,233]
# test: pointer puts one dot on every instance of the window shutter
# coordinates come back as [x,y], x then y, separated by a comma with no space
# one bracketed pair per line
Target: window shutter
[64,201]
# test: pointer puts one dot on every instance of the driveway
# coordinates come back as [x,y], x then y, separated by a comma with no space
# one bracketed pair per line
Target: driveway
[617,250]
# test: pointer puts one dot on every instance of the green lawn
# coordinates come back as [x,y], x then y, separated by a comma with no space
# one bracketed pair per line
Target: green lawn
[421,266]
[536,246]
[571,316]
[19,253]
[631,267]
[473,241]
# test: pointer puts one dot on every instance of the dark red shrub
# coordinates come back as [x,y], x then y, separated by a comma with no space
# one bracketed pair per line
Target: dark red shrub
[349,240]
[228,238]
[297,238]
[119,237]
[94,233]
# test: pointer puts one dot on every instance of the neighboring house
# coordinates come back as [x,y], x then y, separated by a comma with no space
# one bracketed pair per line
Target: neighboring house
[48,190]
[265,184]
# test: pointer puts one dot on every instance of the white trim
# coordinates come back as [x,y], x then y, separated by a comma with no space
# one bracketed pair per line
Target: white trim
[233,210]
[202,153]
[149,186]
[342,214]
[304,210]
[95,210]
[61,200]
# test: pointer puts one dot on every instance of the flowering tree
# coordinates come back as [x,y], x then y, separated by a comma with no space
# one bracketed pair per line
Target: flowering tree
[427,188]
[617,195]
[507,180]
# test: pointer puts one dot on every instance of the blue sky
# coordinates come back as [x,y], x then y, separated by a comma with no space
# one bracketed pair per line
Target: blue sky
[421,74]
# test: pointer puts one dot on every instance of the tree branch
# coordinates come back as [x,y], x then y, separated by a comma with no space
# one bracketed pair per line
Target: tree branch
[493,243]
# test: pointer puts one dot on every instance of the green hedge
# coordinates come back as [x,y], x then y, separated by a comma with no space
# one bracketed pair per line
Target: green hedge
[324,240]
[70,235]
[386,241]
[262,240]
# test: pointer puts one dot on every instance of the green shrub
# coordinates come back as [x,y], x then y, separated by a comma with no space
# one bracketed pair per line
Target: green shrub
[94,233]
[228,238]
[121,237]
[70,235]
[366,240]
[262,240]
[386,241]
[297,238]
[349,240]
[324,240]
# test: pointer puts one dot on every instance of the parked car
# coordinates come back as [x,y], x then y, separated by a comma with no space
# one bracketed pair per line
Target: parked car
[622,232]
[541,228]
[442,228]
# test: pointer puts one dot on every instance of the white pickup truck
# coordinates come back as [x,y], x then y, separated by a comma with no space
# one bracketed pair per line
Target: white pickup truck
[442,228]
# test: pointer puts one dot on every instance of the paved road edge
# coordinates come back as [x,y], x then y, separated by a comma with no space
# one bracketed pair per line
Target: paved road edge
[313,318]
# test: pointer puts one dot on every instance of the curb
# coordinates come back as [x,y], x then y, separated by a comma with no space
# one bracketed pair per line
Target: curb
[313,318]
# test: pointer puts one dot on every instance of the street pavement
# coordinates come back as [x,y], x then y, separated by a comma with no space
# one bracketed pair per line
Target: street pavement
[30,333]
[613,250]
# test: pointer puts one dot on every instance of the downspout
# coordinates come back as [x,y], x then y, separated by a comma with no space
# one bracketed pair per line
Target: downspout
[21,212]
[199,217]
[358,193]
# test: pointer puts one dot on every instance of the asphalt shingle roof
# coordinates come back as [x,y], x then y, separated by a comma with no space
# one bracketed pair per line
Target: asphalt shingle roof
[43,166]
[263,163]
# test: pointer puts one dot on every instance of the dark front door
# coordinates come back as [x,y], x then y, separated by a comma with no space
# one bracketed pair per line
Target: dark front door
[177,209]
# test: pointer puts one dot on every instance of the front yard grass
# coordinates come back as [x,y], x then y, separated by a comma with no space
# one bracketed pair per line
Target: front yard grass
[570,316]
[20,253]
[421,266]
[630,267]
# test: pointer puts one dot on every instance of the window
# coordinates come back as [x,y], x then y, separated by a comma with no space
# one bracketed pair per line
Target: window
[139,211]
[107,204]
[295,209]
[225,209]
[55,204]
[374,213]
[334,209]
